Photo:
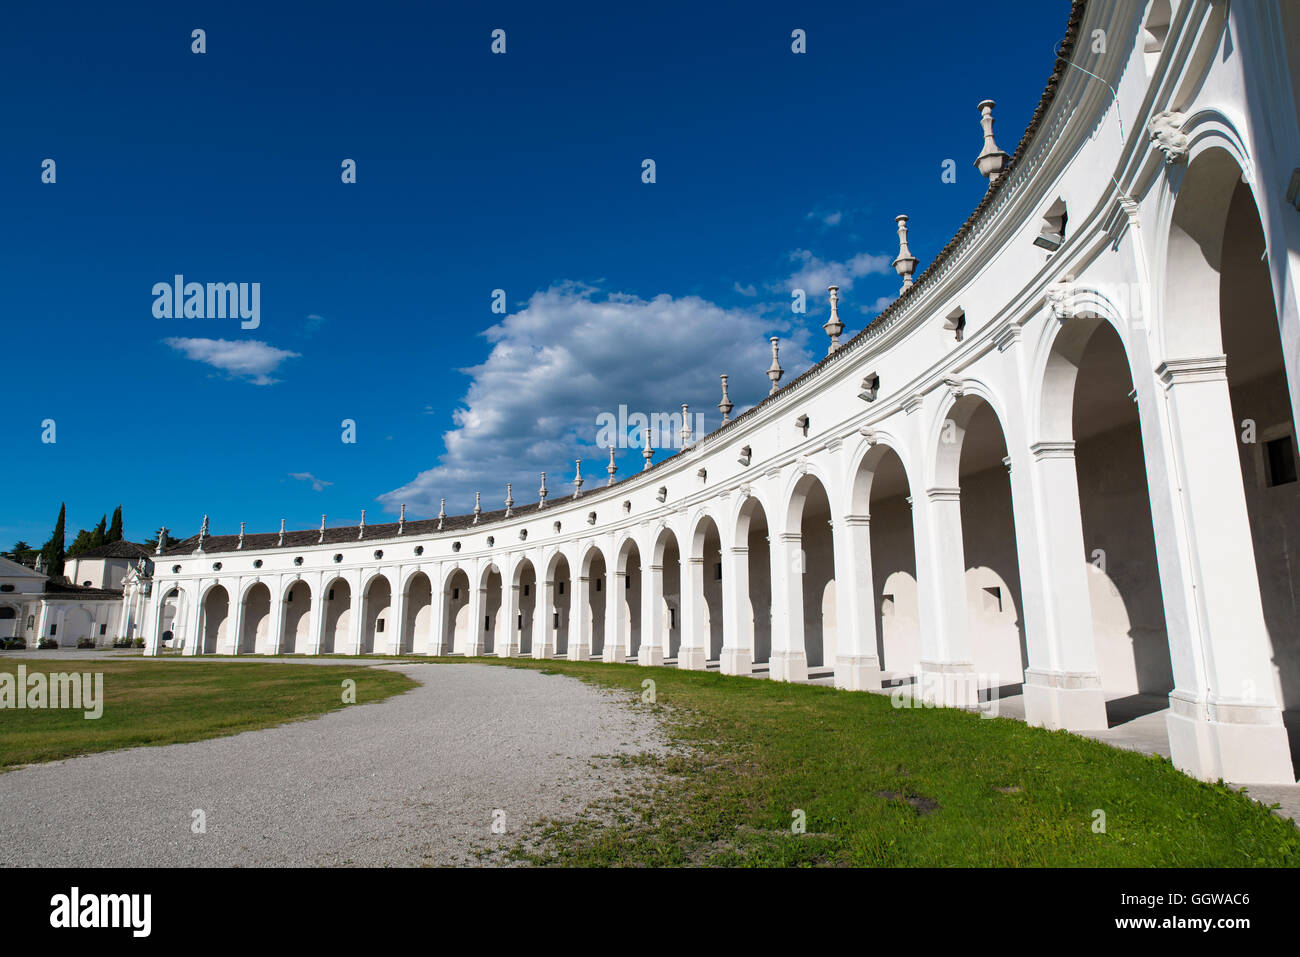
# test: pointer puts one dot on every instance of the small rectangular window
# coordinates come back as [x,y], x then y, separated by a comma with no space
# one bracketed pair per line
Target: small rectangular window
[331,595]
[103,629]
[455,594]
[717,571]
[597,584]
[561,587]
[526,587]
[555,619]
[54,629]
[1279,460]
[672,617]
[379,626]
[487,622]
[520,626]
[627,582]
[290,598]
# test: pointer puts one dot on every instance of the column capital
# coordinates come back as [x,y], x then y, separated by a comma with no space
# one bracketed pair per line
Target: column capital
[857,521]
[943,494]
[1052,450]
[1193,369]
[795,538]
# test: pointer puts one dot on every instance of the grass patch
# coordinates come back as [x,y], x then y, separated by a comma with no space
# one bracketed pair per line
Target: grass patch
[153,703]
[881,786]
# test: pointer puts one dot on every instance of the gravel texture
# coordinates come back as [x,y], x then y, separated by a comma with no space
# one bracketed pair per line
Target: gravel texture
[413,780]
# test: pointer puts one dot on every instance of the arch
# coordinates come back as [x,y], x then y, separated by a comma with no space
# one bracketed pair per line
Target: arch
[416,635]
[665,596]
[171,619]
[812,596]
[753,534]
[255,626]
[882,495]
[10,619]
[593,567]
[557,592]
[213,624]
[492,631]
[524,582]
[295,630]
[705,579]
[627,598]
[336,616]
[456,627]
[971,457]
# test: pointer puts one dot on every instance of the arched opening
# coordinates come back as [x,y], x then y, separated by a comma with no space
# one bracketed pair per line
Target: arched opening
[973,458]
[559,591]
[456,625]
[295,637]
[1261,404]
[1088,391]
[337,619]
[706,555]
[375,631]
[594,572]
[883,494]
[216,608]
[491,636]
[814,575]
[667,573]
[526,582]
[756,605]
[255,629]
[171,620]
[627,598]
[417,628]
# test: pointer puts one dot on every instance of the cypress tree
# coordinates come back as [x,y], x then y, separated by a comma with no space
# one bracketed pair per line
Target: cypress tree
[115,529]
[97,537]
[53,550]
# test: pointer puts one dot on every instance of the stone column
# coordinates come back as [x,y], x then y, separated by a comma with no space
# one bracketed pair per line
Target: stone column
[234,620]
[276,623]
[316,623]
[148,621]
[737,624]
[508,637]
[437,612]
[579,623]
[789,661]
[652,649]
[857,665]
[1224,718]
[396,614]
[357,621]
[694,650]
[616,624]
[194,622]
[1063,689]
[947,674]
[474,637]
[543,616]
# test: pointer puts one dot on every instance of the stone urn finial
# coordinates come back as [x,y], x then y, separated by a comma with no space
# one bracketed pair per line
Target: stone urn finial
[280,541]
[577,477]
[647,453]
[686,426]
[478,506]
[611,468]
[991,162]
[833,326]
[442,513]
[401,522]
[510,501]
[322,531]
[905,264]
[241,535]
[774,371]
[726,405]
[541,494]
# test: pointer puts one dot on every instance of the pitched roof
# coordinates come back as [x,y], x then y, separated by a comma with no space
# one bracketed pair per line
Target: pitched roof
[58,589]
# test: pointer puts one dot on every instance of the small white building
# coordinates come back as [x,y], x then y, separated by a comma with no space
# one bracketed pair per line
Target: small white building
[34,606]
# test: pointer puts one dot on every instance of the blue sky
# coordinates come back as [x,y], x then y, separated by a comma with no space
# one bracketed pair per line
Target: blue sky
[475,172]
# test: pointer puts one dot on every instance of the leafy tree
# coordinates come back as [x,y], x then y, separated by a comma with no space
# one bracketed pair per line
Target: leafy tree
[53,551]
[21,552]
[84,542]
[115,529]
[99,536]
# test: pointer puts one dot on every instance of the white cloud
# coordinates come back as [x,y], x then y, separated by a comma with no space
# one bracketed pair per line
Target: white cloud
[317,485]
[749,290]
[240,359]
[813,274]
[569,355]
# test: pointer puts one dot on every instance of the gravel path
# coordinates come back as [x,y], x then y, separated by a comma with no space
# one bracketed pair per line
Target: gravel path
[408,781]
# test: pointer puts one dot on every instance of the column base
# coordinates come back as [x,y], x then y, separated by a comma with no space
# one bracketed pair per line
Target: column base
[508,651]
[579,652]
[614,654]
[653,656]
[543,651]
[1069,701]
[692,659]
[948,684]
[473,651]
[857,673]
[788,666]
[736,661]
[1241,743]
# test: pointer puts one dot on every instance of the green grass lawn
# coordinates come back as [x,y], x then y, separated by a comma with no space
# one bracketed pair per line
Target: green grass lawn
[881,786]
[157,702]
